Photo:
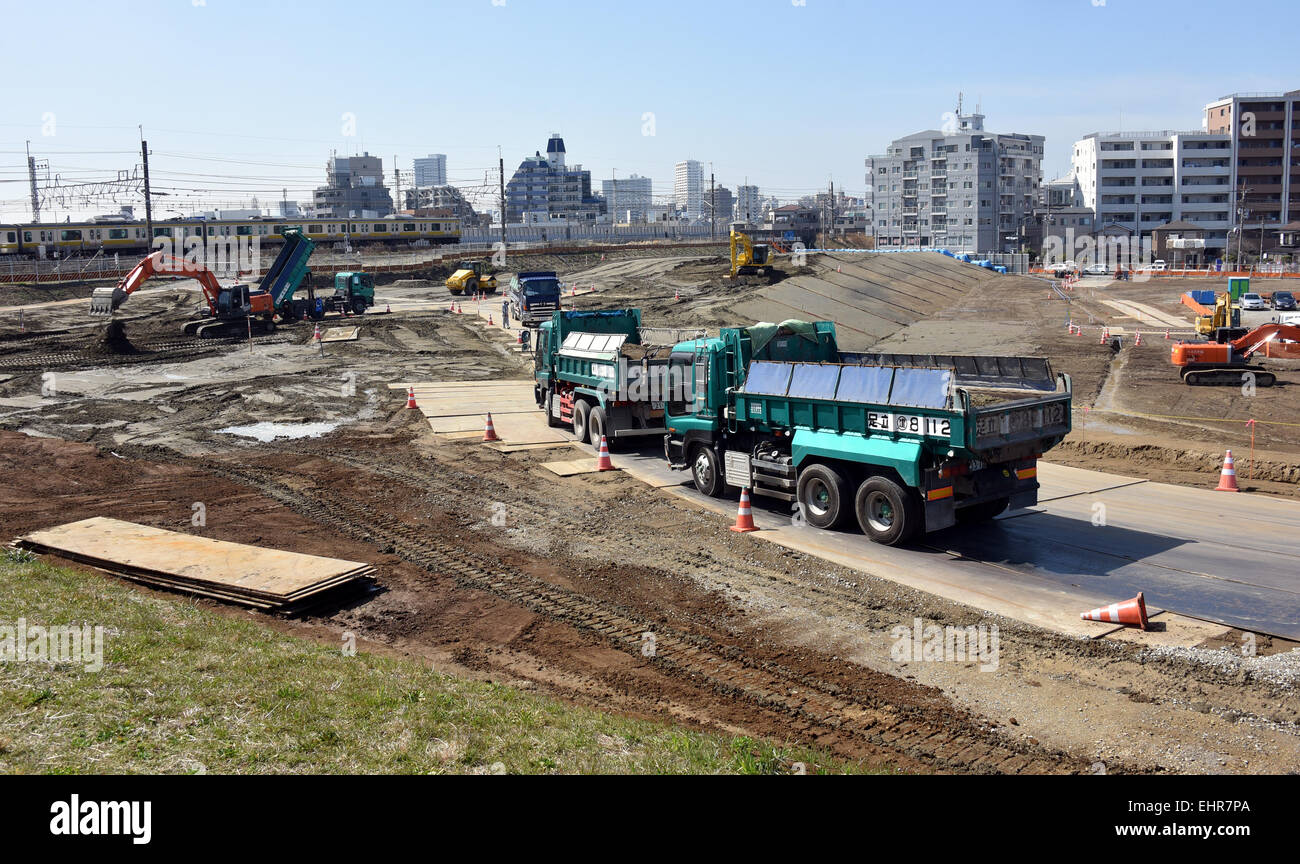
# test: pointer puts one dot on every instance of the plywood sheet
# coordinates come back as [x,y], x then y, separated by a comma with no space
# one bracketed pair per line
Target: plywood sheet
[261,577]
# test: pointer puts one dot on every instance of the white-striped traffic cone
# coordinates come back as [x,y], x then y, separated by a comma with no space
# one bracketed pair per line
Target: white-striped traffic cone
[603,462]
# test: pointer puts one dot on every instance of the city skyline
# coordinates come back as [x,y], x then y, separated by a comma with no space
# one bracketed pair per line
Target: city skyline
[240,142]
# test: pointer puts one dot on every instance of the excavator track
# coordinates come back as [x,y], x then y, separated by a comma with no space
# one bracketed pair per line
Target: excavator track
[1227,376]
[815,707]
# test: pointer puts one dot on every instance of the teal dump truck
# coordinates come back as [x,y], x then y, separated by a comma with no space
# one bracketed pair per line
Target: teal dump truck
[287,273]
[903,444]
[354,292]
[594,373]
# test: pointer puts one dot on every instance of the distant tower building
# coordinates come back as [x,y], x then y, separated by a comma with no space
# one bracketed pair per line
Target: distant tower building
[545,189]
[354,187]
[722,199]
[628,198]
[688,188]
[749,207]
[431,171]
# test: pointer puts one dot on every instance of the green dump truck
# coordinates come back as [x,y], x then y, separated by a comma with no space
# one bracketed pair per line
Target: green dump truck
[593,372]
[904,444]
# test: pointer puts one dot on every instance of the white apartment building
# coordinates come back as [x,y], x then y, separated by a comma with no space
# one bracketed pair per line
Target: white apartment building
[749,206]
[1142,180]
[627,199]
[431,170]
[688,188]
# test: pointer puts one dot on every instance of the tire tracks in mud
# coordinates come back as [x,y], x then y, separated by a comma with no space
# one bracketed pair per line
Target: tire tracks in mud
[821,711]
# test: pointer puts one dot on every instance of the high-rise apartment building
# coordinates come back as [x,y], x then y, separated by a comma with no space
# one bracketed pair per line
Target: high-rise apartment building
[431,170]
[689,188]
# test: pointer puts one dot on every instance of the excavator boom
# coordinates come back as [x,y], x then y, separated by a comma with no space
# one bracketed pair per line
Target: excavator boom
[105,301]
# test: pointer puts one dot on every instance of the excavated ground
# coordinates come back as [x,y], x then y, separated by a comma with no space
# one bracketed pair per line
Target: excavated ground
[754,638]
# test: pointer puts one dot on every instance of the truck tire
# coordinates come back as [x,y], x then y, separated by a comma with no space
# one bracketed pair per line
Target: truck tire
[888,513]
[358,305]
[982,512]
[548,405]
[581,412]
[823,496]
[597,425]
[706,471]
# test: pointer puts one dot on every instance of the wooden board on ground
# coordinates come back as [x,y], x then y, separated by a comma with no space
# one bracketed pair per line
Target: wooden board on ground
[341,334]
[250,575]
[572,467]
[503,447]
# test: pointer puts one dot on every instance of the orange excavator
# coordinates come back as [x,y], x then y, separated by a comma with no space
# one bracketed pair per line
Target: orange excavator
[1222,363]
[227,305]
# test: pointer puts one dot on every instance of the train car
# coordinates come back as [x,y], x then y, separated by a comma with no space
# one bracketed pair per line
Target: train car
[82,239]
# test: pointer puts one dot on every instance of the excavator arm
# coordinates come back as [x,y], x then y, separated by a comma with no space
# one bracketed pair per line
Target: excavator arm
[1261,336]
[105,301]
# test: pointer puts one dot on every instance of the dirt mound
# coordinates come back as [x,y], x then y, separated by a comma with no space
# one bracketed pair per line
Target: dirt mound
[112,340]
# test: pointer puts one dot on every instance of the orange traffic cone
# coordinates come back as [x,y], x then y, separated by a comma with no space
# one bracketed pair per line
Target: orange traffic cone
[1227,477]
[1130,612]
[410,397]
[388,308]
[677,295]
[490,324]
[457,308]
[316,334]
[1166,333]
[745,515]
[603,462]
[1105,335]
[1137,342]
[489,431]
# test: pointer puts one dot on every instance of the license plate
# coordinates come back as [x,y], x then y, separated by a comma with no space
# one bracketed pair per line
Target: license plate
[658,406]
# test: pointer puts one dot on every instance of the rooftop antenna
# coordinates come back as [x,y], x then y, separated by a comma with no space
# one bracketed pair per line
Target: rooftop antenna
[959,95]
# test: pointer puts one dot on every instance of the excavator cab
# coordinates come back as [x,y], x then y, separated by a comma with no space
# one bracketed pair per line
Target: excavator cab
[747,257]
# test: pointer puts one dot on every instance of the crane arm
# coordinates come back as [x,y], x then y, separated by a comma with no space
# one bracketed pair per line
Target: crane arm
[105,301]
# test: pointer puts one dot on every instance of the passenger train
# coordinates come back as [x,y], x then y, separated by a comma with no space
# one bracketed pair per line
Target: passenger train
[87,238]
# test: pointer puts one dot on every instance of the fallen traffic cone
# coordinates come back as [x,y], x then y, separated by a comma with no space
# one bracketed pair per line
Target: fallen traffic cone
[1228,476]
[489,431]
[410,397]
[603,462]
[745,515]
[1130,612]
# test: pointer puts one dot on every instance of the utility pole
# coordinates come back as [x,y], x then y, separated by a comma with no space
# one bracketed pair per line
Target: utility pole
[713,205]
[1241,221]
[397,187]
[148,199]
[613,197]
[501,178]
[31,175]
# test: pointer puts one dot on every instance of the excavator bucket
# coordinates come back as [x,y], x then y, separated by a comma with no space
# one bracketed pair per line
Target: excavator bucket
[104,301]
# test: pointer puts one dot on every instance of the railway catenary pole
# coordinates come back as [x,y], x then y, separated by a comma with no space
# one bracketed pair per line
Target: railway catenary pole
[148,199]
[713,205]
[31,176]
[501,179]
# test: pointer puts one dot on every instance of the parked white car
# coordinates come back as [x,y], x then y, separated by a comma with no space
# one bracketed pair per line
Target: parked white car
[1253,303]
[1097,270]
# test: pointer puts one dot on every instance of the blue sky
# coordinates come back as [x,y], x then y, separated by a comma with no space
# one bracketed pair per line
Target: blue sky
[788,96]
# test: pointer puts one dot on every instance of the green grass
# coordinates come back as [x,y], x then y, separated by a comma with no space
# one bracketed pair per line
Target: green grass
[184,689]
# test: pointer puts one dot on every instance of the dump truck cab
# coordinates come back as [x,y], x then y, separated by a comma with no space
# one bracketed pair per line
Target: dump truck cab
[354,291]
[534,296]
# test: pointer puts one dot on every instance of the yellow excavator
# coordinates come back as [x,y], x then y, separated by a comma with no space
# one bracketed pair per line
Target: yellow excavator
[747,257]
[1226,314]
[472,277]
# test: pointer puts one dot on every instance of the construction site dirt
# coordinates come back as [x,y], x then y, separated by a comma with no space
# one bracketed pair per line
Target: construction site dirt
[490,566]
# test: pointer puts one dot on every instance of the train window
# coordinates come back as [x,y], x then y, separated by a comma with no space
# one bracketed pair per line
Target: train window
[379,229]
[27,236]
[117,234]
[162,232]
[11,236]
[408,227]
[71,235]
[243,230]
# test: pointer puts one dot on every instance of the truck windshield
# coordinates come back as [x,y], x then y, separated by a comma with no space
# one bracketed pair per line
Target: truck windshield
[541,288]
